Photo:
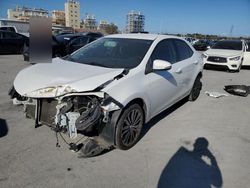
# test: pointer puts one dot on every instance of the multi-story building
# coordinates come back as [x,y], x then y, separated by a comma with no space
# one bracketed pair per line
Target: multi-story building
[58,17]
[72,14]
[89,22]
[24,13]
[103,25]
[135,22]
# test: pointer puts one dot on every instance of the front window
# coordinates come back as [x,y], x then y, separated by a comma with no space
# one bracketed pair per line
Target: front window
[228,45]
[112,53]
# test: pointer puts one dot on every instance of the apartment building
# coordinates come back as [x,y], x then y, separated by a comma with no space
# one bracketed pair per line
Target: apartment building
[58,17]
[24,13]
[72,14]
[89,22]
[135,22]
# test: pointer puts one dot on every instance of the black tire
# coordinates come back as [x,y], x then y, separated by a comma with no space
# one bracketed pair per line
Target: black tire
[129,127]
[238,70]
[21,50]
[195,92]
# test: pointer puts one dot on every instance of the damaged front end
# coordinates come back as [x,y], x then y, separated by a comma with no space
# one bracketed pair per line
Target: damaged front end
[91,114]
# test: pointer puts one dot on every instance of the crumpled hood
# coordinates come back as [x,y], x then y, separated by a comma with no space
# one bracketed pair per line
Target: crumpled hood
[65,74]
[223,53]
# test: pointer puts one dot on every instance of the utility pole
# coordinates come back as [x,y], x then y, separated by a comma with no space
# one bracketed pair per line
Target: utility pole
[231,31]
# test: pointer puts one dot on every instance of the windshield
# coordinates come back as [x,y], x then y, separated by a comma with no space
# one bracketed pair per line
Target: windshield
[112,53]
[228,45]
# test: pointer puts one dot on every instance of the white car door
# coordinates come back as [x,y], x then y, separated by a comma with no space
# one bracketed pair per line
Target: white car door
[187,62]
[246,60]
[163,86]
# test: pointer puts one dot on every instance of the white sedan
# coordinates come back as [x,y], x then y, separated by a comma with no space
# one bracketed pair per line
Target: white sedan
[226,53]
[110,88]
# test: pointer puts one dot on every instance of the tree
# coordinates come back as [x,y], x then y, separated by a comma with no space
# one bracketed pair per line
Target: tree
[111,29]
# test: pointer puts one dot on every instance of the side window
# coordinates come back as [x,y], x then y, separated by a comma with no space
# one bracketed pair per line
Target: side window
[91,39]
[183,50]
[164,51]
[84,40]
[10,36]
[75,41]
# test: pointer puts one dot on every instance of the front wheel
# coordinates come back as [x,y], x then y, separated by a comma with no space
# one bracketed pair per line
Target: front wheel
[129,127]
[238,70]
[195,92]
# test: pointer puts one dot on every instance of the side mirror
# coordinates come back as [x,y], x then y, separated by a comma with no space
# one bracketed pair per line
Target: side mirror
[161,65]
[208,47]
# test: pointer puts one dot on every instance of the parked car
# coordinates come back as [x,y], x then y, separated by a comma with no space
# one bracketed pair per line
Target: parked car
[58,49]
[12,43]
[65,44]
[8,28]
[202,45]
[109,89]
[73,42]
[227,54]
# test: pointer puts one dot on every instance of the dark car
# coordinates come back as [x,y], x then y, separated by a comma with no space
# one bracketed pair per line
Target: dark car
[12,43]
[73,42]
[58,49]
[63,45]
[202,45]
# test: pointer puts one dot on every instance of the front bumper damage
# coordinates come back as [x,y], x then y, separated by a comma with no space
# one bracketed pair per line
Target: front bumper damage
[90,114]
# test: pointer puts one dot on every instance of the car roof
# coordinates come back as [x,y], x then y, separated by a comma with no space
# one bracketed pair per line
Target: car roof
[142,36]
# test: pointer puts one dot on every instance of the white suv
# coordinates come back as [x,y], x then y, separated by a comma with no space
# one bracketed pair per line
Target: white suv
[226,53]
[110,88]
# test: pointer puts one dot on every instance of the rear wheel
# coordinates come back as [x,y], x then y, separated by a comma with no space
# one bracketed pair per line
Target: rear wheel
[195,92]
[129,127]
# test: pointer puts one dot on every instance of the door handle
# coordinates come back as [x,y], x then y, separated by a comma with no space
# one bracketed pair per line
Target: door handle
[178,71]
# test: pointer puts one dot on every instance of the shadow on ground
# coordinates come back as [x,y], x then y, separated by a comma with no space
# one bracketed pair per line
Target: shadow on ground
[3,128]
[192,169]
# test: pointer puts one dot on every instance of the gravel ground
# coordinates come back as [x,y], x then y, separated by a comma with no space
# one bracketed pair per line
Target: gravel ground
[29,157]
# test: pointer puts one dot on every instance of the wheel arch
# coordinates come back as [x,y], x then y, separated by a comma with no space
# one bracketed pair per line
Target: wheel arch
[138,101]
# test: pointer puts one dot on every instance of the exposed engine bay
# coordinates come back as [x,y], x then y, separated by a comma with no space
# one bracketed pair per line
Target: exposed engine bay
[84,114]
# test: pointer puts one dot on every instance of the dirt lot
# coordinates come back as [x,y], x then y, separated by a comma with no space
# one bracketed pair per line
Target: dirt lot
[29,157]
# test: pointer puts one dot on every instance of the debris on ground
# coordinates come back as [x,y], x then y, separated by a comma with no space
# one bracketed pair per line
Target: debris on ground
[240,90]
[216,94]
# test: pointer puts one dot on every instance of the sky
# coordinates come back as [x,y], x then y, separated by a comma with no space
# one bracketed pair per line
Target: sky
[161,16]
